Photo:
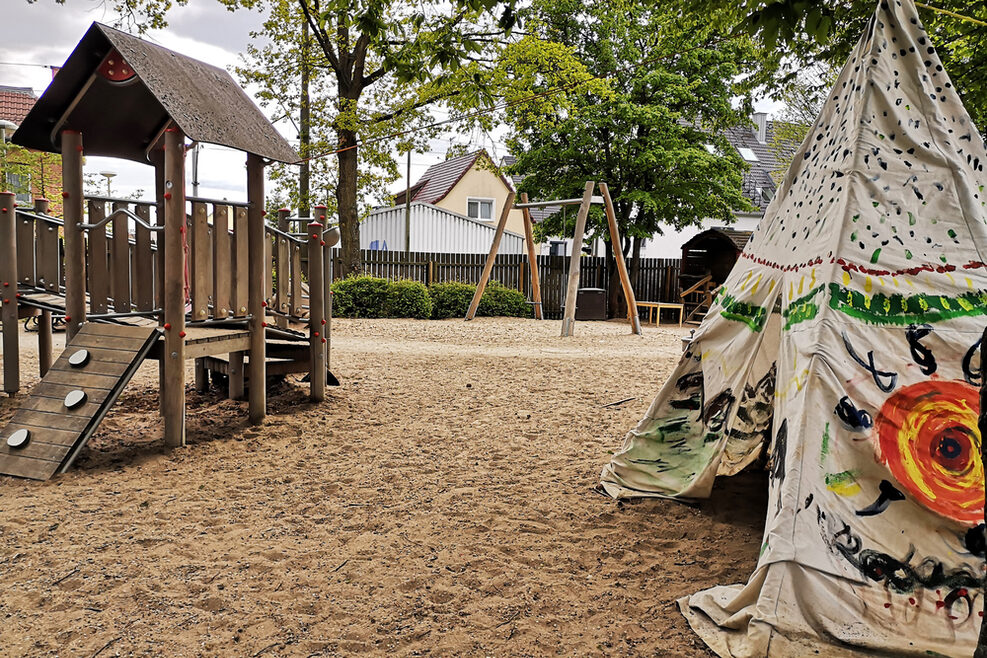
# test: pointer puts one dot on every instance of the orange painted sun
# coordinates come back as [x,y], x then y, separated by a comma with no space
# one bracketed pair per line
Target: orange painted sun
[931,443]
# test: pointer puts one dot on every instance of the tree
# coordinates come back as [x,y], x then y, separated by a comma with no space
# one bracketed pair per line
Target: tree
[805,32]
[653,132]
[385,60]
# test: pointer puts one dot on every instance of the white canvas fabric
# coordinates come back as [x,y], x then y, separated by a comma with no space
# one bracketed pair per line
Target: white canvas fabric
[845,346]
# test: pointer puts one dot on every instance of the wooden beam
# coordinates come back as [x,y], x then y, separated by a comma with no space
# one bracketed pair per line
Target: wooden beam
[491,257]
[569,318]
[120,266]
[8,293]
[173,384]
[316,319]
[75,246]
[618,254]
[44,343]
[529,239]
[257,262]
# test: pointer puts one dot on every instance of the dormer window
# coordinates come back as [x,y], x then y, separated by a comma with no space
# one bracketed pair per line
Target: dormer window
[481,209]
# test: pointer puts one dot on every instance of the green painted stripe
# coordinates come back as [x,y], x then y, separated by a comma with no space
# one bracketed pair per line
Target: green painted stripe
[751,315]
[899,309]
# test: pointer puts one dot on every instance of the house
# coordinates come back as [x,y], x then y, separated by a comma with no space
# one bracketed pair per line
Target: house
[467,185]
[455,208]
[39,174]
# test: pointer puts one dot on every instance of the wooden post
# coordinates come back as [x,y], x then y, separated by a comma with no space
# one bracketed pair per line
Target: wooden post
[618,254]
[282,259]
[316,313]
[44,343]
[173,383]
[529,240]
[8,294]
[569,318]
[120,266]
[257,261]
[75,244]
[236,376]
[491,257]
[319,212]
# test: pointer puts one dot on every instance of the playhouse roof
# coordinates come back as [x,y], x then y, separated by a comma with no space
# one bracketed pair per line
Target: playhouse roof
[738,238]
[122,110]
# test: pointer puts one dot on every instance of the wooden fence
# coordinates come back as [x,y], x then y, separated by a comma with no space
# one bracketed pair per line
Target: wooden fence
[657,280]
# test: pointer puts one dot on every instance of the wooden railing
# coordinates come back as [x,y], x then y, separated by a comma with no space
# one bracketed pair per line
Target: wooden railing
[216,259]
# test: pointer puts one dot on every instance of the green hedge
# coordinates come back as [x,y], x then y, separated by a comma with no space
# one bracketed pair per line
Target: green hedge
[408,299]
[370,297]
[359,297]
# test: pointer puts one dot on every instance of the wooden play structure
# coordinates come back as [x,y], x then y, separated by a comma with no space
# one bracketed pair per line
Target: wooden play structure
[588,199]
[707,259]
[175,279]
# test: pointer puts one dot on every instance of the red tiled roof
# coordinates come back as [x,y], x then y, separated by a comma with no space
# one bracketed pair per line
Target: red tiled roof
[439,179]
[15,103]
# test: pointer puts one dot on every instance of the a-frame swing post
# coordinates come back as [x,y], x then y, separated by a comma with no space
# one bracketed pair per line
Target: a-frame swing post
[491,257]
[529,240]
[618,254]
[569,318]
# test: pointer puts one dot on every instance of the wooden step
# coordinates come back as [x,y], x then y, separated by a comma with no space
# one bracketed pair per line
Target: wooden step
[57,433]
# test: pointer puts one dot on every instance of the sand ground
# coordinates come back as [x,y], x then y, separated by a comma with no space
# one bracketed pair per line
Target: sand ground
[440,502]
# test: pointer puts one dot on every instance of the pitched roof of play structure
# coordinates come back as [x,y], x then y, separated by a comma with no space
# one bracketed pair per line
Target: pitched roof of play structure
[846,340]
[123,105]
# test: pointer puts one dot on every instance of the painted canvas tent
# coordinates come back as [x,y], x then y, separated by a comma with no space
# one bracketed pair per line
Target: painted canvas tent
[844,346]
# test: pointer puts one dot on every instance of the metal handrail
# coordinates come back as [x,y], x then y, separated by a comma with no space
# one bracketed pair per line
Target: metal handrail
[596,200]
[289,236]
[38,216]
[114,215]
[112,199]
[220,202]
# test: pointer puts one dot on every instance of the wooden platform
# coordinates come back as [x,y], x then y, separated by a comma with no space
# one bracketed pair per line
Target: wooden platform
[58,433]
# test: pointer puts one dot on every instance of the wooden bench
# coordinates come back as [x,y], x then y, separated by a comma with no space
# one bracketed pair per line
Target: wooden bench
[655,309]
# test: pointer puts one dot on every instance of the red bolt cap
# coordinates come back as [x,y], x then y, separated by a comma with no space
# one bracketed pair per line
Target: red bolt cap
[3,209]
[316,333]
[322,242]
[323,340]
[167,196]
[79,148]
[264,304]
[182,334]
[167,326]
[67,318]
[323,322]
[263,324]
[18,295]
[65,195]
[263,213]
[6,283]
[314,236]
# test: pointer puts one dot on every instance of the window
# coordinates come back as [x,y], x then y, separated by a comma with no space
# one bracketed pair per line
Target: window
[20,185]
[557,248]
[482,209]
[747,154]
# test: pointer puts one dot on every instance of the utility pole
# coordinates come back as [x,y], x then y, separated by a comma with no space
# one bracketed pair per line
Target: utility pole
[195,171]
[407,207]
[304,130]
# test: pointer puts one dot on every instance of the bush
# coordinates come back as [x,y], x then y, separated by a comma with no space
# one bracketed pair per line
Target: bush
[450,300]
[408,299]
[359,297]
[499,300]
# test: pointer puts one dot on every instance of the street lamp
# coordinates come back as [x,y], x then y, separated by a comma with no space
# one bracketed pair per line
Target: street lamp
[108,175]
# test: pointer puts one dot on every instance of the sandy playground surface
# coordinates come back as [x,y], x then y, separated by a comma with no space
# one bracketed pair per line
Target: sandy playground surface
[439,503]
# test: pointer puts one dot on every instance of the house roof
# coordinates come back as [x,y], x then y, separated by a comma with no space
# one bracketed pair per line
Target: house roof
[121,92]
[772,156]
[15,103]
[439,179]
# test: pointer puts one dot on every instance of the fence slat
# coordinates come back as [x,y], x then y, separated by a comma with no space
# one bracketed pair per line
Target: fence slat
[221,261]
[201,270]
[121,261]
[145,264]
[25,250]
[99,275]
[239,289]
[49,259]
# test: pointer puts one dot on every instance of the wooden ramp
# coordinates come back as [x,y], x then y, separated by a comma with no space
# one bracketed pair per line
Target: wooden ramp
[56,433]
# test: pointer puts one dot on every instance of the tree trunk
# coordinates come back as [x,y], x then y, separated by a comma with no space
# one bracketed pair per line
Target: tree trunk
[304,131]
[349,215]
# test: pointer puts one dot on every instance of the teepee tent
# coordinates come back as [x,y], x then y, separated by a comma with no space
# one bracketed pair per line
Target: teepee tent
[845,346]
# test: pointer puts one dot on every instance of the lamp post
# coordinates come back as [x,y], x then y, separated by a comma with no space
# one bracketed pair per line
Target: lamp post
[108,175]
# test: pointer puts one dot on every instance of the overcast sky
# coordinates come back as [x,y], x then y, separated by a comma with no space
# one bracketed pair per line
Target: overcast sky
[44,34]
